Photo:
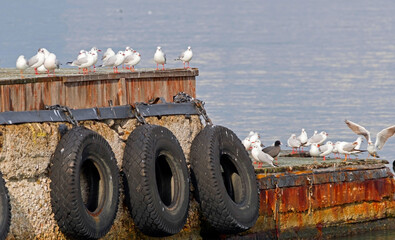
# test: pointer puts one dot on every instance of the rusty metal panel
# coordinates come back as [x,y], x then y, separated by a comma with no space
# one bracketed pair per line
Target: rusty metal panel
[302,198]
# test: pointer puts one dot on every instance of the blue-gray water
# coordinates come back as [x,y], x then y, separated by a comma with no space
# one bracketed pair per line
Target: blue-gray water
[269,66]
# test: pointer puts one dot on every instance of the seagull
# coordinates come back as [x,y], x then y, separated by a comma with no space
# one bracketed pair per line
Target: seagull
[186,56]
[128,51]
[160,58]
[114,61]
[358,146]
[247,141]
[302,138]
[37,60]
[260,156]
[81,54]
[95,55]
[83,62]
[381,136]
[317,138]
[293,142]
[21,64]
[326,149]
[347,148]
[51,63]
[314,151]
[109,53]
[132,60]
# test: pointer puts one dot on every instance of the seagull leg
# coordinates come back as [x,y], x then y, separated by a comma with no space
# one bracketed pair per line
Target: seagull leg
[345,157]
[157,66]
[35,71]
[188,65]
[133,69]
[184,65]
[324,158]
[22,74]
[94,68]
[163,68]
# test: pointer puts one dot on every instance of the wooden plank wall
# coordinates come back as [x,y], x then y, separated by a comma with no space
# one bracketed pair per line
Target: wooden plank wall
[95,90]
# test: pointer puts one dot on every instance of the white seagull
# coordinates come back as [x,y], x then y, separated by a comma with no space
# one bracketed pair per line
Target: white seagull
[21,64]
[160,58]
[260,156]
[326,149]
[293,142]
[302,138]
[83,62]
[186,56]
[347,148]
[94,51]
[381,136]
[247,141]
[317,138]
[314,151]
[107,54]
[132,60]
[37,60]
[51,63]
[114,61]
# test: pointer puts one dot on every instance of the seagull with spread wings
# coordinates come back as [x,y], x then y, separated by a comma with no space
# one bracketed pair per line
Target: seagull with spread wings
[381,137]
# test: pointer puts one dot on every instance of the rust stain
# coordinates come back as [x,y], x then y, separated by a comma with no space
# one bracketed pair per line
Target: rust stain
[95,90]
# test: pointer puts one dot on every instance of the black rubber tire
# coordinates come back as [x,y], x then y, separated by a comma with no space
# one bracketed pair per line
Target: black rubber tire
[84,184]
[5,209]
[157,181]
[225,180]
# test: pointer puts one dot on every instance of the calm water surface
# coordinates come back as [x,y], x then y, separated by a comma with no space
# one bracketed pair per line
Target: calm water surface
[269,66]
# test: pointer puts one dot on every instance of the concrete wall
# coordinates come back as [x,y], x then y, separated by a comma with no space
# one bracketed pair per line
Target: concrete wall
[25,155]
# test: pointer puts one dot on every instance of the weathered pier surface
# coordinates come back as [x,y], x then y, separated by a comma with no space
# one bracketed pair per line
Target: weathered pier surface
[93,90]
[298,199]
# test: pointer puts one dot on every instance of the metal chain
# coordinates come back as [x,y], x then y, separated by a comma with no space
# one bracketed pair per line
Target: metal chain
[66,110]
[136,112]
[182,97]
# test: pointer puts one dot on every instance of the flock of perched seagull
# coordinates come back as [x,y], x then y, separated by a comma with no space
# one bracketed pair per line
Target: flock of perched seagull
[262,155]
[45,61]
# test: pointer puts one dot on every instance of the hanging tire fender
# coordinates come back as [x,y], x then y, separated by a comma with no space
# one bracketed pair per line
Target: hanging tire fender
[5,217]
[84,184]
[157,181]
[225,180]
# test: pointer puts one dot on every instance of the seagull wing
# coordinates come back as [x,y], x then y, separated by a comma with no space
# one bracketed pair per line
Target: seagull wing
[80,61]
[383,135]
[33,60]
[129,59]
[264,157]
[110,61]
[358,129]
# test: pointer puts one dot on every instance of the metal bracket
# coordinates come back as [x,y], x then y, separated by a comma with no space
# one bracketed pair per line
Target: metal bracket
[183,97]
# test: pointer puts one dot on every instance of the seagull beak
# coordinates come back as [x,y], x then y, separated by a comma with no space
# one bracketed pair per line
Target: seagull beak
[98,50]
